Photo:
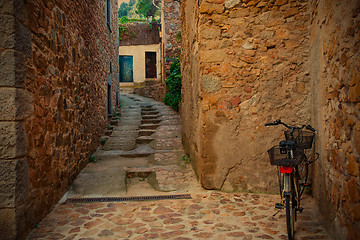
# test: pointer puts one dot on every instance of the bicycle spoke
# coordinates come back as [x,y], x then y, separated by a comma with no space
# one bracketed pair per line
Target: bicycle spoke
[302,172]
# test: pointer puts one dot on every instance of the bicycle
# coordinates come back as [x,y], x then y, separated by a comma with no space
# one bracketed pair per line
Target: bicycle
[293,166]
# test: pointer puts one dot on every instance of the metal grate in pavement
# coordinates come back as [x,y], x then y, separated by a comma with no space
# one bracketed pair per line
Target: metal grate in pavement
[126,199]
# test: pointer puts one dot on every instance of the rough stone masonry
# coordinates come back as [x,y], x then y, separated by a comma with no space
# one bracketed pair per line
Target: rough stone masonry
[248,62]
[59,79]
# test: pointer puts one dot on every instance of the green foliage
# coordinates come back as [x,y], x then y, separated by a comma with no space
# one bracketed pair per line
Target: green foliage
[145,8]
[173,86]
[178,36]
[124,19]
[123,9]
[186,159]
[132,3]
[92,158]
[123,31]
[103,141]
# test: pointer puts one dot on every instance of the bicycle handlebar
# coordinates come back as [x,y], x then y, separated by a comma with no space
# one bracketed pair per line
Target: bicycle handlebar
[310,128]
[277,122]
[270,124]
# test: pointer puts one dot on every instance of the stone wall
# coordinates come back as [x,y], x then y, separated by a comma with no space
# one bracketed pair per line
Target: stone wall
[190,92]
[139,33]
[247,64]
[335,72]
[15,107]
[59,103]
[152,89]
[171,33]
[250,62]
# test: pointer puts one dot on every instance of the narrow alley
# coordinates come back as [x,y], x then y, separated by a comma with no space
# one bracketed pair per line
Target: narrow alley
[88,150]
[143,156]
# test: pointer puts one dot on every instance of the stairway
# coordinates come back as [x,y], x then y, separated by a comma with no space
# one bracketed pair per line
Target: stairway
[142,156]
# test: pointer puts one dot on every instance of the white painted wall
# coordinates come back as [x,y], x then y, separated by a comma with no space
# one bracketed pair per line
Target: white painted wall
[138,53]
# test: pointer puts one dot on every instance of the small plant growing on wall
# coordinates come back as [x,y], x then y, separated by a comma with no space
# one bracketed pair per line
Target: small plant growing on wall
[178,36]
[103,141]
[92,159]
[173,86]
[186,159]
[123,32]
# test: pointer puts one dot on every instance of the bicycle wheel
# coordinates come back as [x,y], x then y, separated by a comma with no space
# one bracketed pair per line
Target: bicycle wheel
[302,175]
[290,215]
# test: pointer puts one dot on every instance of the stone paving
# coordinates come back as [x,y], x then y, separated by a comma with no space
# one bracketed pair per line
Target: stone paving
[120,169]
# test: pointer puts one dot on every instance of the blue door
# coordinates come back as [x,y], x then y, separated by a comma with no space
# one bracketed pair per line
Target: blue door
[126,68]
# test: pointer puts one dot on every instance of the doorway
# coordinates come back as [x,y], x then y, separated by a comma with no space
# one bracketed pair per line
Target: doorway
[126,68]
[150,64]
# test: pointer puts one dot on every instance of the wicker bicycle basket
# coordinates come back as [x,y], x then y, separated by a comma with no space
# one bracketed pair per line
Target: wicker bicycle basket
[303,138]
[281,156]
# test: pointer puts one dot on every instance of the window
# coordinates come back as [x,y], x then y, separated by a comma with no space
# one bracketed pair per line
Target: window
[150,64]
[108,13]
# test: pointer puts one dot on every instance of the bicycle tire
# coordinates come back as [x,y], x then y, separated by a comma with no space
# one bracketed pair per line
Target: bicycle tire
[302,174]
[290,216]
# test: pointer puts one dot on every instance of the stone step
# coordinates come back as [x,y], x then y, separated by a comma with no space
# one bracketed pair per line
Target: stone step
[150,121]
[149,126]
[114,122]
[146,132]
[147,109]
[150,117]
[110,181]
[149,113]
[135,154]
[144,140]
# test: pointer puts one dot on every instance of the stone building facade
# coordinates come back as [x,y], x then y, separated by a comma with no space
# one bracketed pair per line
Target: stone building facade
[170,48]
[248,62]
[59,81]
[171,34]
[137,40]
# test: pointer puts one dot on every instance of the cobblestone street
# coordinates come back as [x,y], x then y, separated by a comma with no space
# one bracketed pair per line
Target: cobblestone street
[143,157]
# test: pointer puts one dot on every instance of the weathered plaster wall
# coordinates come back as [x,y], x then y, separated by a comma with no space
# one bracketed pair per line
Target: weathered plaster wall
[138,54]
[252,64]
[58,69]
[335,72]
